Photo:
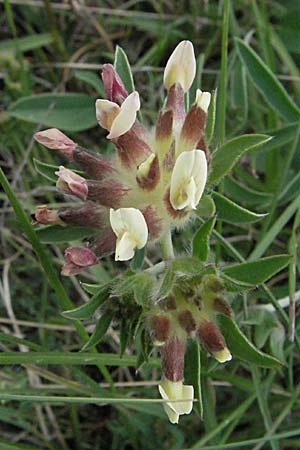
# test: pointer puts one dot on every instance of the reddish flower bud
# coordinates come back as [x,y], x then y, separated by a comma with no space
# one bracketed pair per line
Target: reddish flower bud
[113,85]
[203,146]
[71,183]
[55,139]
[46,216]
[78,258]
[192,129]
[175,102]
[154,222]
[88,214]
[187,321]
[132,148]
[220,305]
[160,328]
[107,192]
[93,164]
[213,341]
[164,131]
[172,362]
[148,173]
[105,244]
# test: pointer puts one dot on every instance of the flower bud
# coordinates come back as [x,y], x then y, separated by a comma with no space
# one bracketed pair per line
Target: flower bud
[46,216]
[77,259]
[187,321]
[175,102]
[160,329]
[88,214]
[213,341]
[108,192]
[130,227]
[92,163]
[104,245]
[118,119]
[132,147]
[55,139]
[188,179]
[202,100]
[71,183]
[153,221]
[172,359]
[164,132]
[148,173]
[172,391]
[181,67]
[113,85]
[220,305]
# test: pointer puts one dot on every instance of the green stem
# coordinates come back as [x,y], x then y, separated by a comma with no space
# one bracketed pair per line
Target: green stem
[167,250]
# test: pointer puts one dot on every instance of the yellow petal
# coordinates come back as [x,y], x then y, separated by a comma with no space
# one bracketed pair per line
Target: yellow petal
[181,66]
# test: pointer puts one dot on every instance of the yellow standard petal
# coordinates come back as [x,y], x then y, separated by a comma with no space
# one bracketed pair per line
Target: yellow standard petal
[181,66]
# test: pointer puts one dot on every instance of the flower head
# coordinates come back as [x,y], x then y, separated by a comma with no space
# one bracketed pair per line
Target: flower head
[188,179]
[129,225]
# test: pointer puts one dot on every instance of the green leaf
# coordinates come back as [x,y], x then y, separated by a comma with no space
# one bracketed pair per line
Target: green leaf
[122,66]
[242,193]
[71,112]
[257,272]
[241,347]
[138,258]
[27,43]
[192,369]
[206,207]
[143,289]
[267,84]
[87,310]
[92,79]
[230,212]
[91,288]
[224,159]
[100,330]
[201,240]
[59,233]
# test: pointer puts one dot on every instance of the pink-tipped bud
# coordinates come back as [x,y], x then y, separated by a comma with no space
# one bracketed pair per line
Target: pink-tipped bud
[154,222]
[148,173]
[71,183]
[213,341]
[93,164]
[113,85]
[78,259]
[160,328]
[87,214]
[172,359]
[108,192]
[46,216]
[187,321]
[55,139]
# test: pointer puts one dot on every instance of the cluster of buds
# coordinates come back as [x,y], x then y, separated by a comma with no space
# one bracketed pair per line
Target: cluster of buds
[187,314]
[154,180]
